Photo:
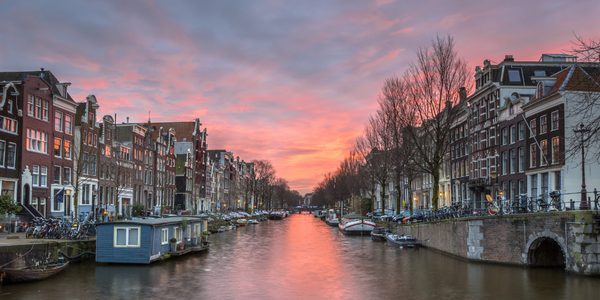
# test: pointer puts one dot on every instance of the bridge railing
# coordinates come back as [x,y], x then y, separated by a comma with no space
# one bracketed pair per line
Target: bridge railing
[522,204]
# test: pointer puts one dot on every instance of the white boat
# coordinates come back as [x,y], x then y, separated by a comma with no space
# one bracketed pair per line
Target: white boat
[242,222]
[356,224]
[252,221]
[332,220]
[404,241]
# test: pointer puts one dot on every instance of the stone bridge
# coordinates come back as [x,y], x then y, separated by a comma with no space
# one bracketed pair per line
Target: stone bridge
[568,239]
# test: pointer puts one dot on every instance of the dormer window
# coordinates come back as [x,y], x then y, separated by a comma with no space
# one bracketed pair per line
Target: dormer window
[540,90]
[511,108]
[539,73]
[514,76]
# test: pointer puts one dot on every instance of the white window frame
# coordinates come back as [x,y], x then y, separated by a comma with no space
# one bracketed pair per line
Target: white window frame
[58,121]
[178,234]
[552,114]
[127,229]
[164,236]
[11,164]
[197,230]
[59,175]
[3,152]
[68,129]
[43,176]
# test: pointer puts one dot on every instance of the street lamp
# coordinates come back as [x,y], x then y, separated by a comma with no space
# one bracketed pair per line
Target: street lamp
[583,205]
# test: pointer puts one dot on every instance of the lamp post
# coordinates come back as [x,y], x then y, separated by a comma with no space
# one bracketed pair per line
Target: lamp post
[583,205]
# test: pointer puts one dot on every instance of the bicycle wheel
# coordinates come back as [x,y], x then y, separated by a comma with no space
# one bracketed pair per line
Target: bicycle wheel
[29,233]
[558,204]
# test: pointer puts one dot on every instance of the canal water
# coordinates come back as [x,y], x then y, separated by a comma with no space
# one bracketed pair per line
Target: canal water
[303,258]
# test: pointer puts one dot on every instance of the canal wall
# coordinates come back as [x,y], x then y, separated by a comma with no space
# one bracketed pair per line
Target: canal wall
[41,252]
[554,239]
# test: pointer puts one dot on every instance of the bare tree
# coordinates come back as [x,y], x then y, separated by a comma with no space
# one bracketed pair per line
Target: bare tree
[265,176]
[375,150]
[427,108]
[584,97]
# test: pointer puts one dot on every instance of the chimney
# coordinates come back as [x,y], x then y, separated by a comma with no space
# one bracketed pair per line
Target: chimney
[127,120]
[462,94]
[508,57]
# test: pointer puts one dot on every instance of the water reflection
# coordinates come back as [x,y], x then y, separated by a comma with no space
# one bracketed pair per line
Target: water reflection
[303,258]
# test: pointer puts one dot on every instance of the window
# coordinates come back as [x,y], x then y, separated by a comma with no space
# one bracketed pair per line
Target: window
[127,236]
[89,138]
[58,121]
[9,125]
[44,176]
[534,185]
[557,181]
[56,175]
[2,151]
[68,124]
[511,109]
[532,155]
[107,152]
[533,128]
[513,161]
[543,124]
[85,160]
[11,156]
[514,76]
[522,187]
[177,234]
[35,175]
[38,108]
[539,73]
[67,149]
[45,111]
[164,236]
[504,163]
[57,147]
[513,134]
[521,129]
[85,197]
[555,150]
[544,156]
[67,176]
[521,159]
[554,116]
[504,136]
[93,164]
[37,141]
[197,231]
[31,106]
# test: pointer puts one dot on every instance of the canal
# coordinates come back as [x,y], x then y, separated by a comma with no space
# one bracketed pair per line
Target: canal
[303,258]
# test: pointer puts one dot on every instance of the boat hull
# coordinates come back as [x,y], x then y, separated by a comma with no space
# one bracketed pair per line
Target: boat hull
[402,241]
[357,227]
[27,275]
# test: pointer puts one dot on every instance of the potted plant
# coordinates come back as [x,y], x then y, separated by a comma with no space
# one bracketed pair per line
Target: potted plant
[173,244]
[205,238]
[182,244]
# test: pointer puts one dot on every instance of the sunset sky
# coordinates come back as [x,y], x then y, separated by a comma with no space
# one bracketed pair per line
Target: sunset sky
[288,81]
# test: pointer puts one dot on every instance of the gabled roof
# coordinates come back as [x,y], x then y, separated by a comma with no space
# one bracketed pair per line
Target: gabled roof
[574,78]
[45,74]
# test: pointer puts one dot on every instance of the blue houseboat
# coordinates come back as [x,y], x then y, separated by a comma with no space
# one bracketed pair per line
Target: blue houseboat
[148,240]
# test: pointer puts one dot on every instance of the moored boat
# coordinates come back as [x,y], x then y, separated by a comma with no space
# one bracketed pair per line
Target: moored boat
[405,241]
[356,224]
[276,215]
[242,222]
[332,219]
[31,274]
[379,234]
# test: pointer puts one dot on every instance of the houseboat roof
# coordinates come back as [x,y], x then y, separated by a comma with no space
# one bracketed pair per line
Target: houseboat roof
[154,222]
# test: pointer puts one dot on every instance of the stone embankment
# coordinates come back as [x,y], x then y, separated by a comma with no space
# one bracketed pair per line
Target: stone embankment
[567,239]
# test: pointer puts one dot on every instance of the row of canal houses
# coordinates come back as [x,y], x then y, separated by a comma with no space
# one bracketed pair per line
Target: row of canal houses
[516,134]
[59,158]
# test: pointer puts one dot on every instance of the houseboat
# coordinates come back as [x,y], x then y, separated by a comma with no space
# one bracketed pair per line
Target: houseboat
[148,240]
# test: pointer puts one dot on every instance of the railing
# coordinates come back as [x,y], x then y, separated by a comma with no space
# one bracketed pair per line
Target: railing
[523,204]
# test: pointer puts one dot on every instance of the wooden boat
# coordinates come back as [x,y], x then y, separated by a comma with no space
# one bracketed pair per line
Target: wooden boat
[242,222]
[379,234]
[31,274]
[276,216]
[405,241]
[356,224]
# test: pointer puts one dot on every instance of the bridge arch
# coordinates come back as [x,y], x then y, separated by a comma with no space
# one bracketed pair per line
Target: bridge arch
[547,250]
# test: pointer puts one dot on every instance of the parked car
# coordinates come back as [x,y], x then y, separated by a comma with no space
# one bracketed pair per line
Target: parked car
[417,217]
[400,216]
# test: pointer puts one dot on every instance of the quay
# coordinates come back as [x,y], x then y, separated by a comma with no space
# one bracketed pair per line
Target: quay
[569,239]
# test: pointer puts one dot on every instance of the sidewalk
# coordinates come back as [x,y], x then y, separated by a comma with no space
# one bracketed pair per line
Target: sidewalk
[4,241]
